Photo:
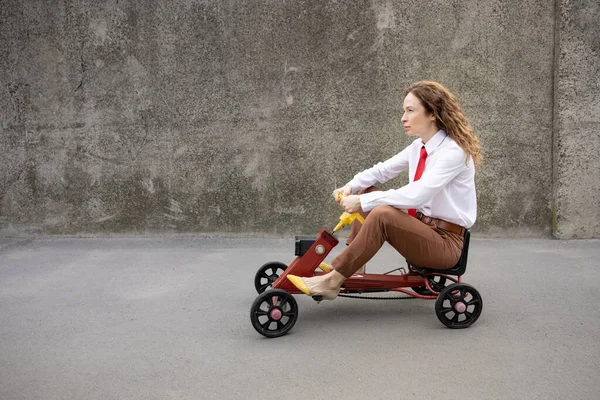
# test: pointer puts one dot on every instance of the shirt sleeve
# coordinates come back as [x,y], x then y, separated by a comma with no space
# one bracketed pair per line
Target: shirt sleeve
[381,172]
[414,195]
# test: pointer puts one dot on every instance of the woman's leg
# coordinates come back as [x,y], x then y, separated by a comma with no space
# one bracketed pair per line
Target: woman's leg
[416,241]
[356,225]
[421,244]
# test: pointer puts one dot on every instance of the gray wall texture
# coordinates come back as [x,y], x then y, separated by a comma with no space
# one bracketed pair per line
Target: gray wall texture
[576,148]
[243,116]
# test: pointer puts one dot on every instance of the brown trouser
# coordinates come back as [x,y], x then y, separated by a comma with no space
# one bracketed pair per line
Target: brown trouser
[421,244]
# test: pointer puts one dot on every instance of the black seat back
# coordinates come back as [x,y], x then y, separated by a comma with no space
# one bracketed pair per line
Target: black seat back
[460,267]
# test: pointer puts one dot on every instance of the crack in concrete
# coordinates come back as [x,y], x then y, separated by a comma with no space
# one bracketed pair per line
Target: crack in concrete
[83,71]
[12,90]
[82,64]
[111,160]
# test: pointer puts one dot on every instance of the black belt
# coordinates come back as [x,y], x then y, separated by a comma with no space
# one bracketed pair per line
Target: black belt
[440,223]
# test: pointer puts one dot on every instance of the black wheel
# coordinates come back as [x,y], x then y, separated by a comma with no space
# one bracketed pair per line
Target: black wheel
[458,305]
[274,313]
[436,282]
[267,274]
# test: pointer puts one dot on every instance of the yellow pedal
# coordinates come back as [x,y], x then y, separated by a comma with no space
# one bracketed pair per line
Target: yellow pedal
[325,267]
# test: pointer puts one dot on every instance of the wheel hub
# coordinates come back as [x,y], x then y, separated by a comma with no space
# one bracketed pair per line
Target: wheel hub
[460,307]
[275,314]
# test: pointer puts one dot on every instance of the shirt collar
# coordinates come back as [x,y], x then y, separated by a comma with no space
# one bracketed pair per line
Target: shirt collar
[435,141]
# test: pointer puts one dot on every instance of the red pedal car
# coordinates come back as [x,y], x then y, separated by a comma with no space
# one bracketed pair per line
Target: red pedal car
[275,311]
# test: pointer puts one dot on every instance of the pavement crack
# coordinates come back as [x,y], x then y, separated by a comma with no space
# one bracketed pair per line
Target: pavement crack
[83,72]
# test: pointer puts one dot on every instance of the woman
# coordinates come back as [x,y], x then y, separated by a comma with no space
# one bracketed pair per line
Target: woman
[424,220]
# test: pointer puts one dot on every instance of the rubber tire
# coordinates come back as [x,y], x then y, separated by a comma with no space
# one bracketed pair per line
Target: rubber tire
[446,293]
[256,307]
[261,270]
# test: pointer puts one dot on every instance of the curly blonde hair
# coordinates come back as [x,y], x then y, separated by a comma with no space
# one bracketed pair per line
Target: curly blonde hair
[438,101]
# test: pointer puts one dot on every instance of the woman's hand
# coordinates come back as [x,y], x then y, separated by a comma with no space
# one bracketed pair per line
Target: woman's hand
[343,191]
[351,204]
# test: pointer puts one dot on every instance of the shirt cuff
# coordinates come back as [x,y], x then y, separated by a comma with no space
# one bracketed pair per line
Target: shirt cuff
[355,186]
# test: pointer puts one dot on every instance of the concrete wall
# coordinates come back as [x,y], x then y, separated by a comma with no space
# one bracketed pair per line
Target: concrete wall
[242,116]
[577,120]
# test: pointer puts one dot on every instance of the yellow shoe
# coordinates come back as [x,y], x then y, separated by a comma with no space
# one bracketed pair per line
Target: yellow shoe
[299,283]
[325,267]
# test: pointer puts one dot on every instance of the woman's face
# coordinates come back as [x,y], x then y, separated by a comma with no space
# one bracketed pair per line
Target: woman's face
[415,119]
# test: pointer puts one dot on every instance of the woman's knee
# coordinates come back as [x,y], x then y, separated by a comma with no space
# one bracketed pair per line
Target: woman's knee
[383,212]
[386,215]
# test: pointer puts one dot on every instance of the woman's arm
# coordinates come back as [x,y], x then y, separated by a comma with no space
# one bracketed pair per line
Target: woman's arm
[417,193]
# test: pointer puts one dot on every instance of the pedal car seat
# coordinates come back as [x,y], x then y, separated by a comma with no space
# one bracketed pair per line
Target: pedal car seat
[460,267]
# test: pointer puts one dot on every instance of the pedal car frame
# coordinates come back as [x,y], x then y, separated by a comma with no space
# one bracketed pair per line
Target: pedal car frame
[275,311]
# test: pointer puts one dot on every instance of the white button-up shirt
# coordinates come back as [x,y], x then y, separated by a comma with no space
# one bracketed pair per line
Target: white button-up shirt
[446,189]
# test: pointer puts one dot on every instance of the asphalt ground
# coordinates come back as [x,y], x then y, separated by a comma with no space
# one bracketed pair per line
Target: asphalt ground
[168,318]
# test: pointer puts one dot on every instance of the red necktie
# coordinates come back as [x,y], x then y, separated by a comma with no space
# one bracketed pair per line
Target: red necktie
[418,173]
